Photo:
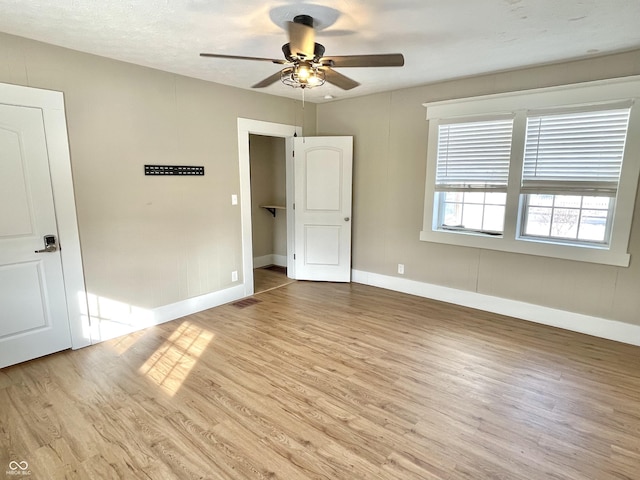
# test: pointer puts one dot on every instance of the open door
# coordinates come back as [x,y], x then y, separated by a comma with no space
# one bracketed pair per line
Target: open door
[323,175]
[34,320]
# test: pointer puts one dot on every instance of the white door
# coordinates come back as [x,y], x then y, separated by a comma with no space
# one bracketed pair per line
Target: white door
[33,311]
[323,171]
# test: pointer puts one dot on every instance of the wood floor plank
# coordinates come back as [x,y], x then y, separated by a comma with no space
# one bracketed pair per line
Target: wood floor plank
[265,279]
[330,381]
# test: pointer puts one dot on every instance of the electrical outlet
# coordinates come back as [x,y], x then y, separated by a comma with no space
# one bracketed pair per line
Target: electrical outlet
[401,268]
[234,276]
[234,199]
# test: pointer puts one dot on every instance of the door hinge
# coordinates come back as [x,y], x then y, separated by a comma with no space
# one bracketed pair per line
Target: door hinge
[294,256]
[294,206]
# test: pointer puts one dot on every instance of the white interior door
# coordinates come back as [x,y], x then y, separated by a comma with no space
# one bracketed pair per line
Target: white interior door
[33,312]
[323,174]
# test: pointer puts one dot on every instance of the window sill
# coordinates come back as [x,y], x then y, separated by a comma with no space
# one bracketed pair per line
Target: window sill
[527,246]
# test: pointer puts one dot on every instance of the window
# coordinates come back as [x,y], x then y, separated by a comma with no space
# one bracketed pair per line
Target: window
[576,159]
[572,218]
[477,212]
[471,175]
[550,172]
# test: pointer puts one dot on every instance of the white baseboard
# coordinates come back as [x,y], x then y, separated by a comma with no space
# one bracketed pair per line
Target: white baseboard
[273,259]
[577,322]
[110,319]
[198,304]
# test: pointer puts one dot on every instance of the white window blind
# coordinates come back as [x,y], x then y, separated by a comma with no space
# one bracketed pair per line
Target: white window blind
[474,155]
[575,152]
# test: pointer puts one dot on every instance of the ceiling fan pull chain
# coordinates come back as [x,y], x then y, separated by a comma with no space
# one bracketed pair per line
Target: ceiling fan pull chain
[302,114]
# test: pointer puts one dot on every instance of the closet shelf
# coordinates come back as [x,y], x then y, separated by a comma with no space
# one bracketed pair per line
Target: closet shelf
[273,208]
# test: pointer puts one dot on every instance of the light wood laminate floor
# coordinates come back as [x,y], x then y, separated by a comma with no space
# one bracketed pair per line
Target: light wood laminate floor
[322,380]
[268,278]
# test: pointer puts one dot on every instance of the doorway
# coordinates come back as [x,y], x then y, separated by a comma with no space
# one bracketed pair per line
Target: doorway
[268,211]
[247,127]
[321,188]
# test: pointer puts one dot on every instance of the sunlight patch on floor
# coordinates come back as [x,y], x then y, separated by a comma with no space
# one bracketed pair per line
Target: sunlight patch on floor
[112,318]
[170,364]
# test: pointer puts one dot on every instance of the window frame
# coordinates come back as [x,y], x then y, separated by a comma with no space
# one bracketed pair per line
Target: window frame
[584,95]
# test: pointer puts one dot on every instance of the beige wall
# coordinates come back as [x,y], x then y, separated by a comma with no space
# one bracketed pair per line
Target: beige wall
[148,241]
[268,187]
[390,145]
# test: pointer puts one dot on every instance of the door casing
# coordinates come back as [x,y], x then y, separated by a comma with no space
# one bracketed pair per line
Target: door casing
[257,127]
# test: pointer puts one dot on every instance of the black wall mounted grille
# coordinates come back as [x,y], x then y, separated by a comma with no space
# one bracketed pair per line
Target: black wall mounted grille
[173,170]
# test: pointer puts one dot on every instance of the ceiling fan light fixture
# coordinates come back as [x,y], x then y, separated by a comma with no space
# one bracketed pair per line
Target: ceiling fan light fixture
[302,76]
[304,73]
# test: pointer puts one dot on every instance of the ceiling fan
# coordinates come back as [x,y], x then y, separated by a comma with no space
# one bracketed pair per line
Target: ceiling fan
[306,66]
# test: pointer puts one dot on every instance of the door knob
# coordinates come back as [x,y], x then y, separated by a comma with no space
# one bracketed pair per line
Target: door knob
[50,244]
[346,219]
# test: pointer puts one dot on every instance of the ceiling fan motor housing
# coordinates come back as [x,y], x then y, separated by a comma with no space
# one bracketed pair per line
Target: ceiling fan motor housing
[318,52]
[304,20]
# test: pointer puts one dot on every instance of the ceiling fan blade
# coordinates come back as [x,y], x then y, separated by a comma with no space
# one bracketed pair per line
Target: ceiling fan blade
[239,57]
[338,79]
[381,60]
[267,81]
[301,39]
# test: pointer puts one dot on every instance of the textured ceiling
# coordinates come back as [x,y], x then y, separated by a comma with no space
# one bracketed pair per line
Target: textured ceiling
[440,40]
